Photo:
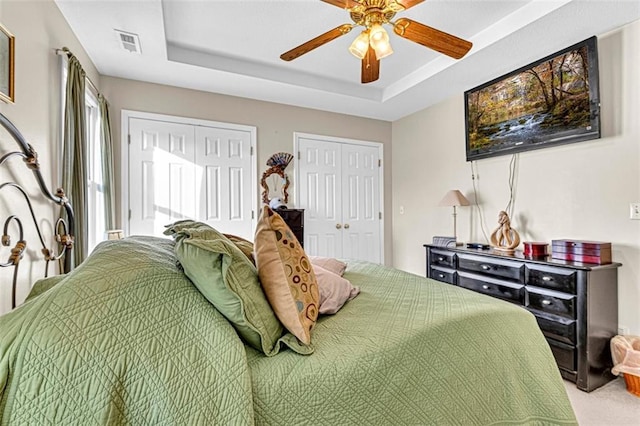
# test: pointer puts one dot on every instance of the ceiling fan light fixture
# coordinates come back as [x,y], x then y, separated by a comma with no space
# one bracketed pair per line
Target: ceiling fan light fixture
[377,34]
[372,44]
[383,50]
[360,45]
[379,41]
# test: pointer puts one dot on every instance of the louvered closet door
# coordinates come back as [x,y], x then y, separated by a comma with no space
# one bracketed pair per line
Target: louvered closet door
[161,175]
[223,176]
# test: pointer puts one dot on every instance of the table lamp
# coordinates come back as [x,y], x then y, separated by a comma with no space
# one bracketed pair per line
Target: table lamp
[454,198]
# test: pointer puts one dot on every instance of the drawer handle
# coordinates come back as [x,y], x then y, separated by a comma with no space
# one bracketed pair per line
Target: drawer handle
[546,302]
[440,259]
[546,278]
[441,275]
[485,267]
[486,287]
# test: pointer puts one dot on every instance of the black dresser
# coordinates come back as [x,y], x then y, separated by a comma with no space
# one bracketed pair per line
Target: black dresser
[295,219]
[575,304]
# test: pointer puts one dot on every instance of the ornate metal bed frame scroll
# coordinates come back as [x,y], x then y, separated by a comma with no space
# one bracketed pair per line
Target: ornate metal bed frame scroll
[64,230]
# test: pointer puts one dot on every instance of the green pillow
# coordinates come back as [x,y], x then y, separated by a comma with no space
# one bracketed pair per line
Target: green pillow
[180,225]
[228,279]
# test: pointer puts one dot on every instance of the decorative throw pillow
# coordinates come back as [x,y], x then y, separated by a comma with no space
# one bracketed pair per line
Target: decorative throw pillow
[179,225]
[245,246]
[229,281]
[286,275]
[329,263]
[335,291]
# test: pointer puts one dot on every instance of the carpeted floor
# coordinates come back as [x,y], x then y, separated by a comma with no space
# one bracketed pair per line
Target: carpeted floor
[609,405]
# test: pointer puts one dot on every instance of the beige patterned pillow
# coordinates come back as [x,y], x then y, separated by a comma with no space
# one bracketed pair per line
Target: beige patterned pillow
[286,275]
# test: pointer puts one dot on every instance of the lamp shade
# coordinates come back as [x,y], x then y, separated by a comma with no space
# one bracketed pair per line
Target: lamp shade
[360,45]
[454,198]
[379,41]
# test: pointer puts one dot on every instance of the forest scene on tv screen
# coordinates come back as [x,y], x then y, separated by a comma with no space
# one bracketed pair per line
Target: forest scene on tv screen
[547,99]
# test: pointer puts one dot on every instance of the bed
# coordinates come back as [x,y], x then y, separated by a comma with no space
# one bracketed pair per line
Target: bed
[126,338]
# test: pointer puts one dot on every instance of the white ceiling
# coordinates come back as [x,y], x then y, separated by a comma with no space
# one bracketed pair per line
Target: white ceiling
[233,47]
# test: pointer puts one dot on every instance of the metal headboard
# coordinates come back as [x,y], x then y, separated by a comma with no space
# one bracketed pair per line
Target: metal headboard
[64,229]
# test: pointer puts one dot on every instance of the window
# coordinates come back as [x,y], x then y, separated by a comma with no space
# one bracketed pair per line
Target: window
[95,183]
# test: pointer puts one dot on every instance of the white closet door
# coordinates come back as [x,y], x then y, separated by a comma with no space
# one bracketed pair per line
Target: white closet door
[339,188]
[360,203]
[321,196]
[161,175]
[223,179]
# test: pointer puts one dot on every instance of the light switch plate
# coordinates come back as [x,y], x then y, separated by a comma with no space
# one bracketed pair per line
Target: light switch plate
[634,211]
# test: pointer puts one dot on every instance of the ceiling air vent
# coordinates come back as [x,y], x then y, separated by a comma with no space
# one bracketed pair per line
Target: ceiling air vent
[129,41]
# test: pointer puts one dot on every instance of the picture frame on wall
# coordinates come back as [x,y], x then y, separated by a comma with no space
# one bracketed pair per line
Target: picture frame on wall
[7,65]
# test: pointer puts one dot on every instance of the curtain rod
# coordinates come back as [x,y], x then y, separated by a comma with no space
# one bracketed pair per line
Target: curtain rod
[67,52]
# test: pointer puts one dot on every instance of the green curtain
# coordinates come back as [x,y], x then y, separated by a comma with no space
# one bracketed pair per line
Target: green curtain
[74,158]
[107,164]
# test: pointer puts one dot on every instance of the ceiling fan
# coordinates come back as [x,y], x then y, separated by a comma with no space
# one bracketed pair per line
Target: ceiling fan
[373,42]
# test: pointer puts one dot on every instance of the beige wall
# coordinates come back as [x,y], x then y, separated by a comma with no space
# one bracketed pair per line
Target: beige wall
[275,122]
[579,191]
[39,28]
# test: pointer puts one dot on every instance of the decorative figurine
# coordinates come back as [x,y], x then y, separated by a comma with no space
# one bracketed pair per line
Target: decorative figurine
[505,238]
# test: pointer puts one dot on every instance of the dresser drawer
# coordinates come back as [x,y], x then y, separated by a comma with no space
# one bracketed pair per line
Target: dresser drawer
[491,266]
[552,302]
[503,290]
[443,258]
[552,278]
[557,328]
[444,275]
[564,354]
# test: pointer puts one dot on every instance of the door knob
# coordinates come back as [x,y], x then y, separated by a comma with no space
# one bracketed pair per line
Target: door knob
[338,226]
[346,226]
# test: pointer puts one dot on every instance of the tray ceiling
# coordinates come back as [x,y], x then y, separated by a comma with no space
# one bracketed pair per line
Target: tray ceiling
[233,47]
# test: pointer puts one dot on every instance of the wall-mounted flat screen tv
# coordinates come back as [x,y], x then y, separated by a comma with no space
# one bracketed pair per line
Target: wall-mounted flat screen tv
[550,102]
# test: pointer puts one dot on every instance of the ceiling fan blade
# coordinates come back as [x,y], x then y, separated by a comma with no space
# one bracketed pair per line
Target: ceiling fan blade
[370,66]
[316,42]
[344,4]
[406,4]
[430,37]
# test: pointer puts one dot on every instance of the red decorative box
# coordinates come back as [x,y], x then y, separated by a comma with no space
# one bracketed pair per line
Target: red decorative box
[581,251]
[534,249]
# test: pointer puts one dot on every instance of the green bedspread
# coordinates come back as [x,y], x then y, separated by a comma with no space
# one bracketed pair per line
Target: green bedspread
[125,339]
[411,351]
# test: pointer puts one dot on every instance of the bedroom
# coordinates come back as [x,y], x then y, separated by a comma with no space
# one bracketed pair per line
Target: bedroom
[590,197]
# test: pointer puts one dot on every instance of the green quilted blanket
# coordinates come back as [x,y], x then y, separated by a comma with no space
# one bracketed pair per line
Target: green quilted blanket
[412,351]
[123,339]
[127,339]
